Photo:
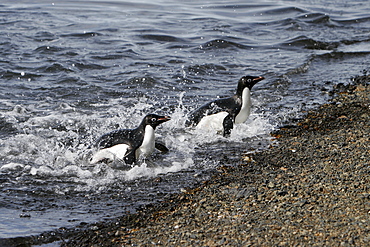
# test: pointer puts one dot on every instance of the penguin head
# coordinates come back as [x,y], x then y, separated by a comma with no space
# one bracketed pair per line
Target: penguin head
[155,120]
[248,81]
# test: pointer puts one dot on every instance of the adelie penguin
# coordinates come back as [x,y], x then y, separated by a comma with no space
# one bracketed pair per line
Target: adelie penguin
[221,114]
[130,144]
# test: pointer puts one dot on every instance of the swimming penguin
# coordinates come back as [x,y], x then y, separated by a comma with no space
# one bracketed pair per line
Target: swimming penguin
[130,144]
[221,114]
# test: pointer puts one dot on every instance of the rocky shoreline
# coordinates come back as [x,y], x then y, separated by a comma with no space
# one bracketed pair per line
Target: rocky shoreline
[311,189]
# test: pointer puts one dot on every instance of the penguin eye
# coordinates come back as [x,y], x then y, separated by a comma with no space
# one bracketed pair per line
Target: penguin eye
[153,120]
[249,80]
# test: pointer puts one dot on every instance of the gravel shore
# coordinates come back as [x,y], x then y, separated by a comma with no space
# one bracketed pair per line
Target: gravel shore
[310,189]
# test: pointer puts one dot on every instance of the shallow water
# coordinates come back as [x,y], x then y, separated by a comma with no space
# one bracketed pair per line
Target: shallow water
[74,70]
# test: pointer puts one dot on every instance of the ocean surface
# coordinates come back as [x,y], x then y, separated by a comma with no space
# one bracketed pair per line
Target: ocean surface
[71,71]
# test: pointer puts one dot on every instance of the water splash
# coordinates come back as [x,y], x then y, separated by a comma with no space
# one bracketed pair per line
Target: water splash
[57,143]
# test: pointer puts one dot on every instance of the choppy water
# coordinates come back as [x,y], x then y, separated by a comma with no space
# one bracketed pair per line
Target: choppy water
[73,70]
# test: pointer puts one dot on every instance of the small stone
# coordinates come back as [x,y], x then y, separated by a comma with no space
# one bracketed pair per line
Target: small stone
[281,193]
[271,185]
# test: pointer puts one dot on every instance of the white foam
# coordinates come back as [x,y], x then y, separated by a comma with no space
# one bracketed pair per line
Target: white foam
[12,167]
[67,171]
[255,125]
[144,170]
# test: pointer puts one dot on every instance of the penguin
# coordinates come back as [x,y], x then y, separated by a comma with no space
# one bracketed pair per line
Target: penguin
[222,114]
[130,144]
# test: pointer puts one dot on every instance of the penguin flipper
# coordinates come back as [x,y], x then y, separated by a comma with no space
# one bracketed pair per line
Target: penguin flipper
[161,147]
[130,157]
[228,125]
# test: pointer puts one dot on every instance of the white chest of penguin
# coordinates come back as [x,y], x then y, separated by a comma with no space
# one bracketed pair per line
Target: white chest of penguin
[148,145]
[246,107]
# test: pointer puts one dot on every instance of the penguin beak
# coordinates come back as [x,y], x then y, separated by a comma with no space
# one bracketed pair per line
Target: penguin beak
[164,119]
[257,79]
